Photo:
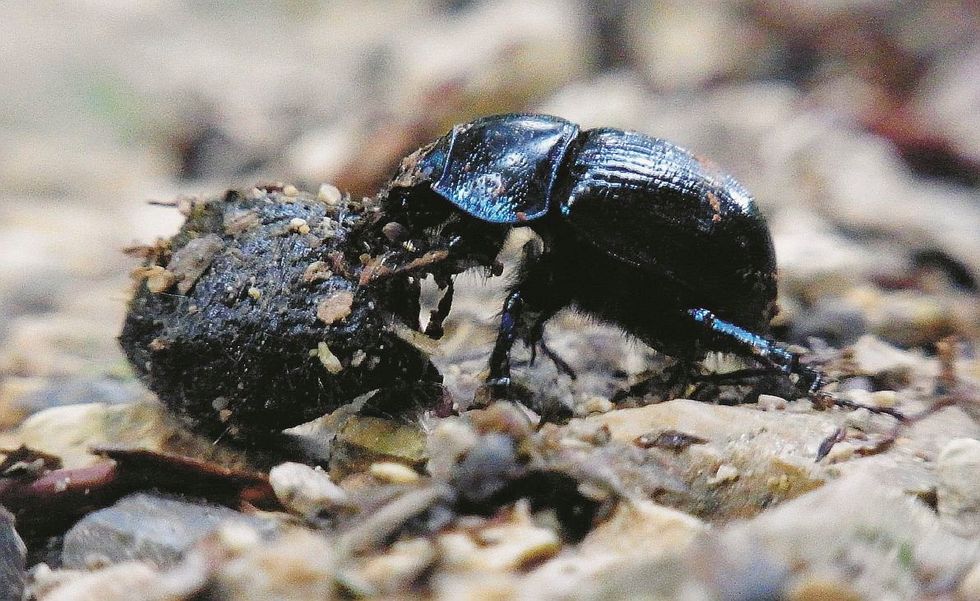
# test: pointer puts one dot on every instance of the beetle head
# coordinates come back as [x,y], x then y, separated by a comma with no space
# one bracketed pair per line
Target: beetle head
[429,220]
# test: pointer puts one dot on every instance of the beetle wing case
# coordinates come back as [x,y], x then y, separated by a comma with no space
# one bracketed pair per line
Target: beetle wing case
[502,169]
[655,205]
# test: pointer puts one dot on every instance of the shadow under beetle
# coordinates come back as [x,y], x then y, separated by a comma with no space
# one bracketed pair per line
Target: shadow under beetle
[636,231]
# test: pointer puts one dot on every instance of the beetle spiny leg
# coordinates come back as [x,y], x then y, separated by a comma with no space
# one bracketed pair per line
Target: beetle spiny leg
[438,315]
[506,335]
[560,363]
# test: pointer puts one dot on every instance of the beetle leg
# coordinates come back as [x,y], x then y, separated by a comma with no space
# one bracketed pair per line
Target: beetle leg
[531,302]
[560,363]
[506,335]
[762,349]
[438,315]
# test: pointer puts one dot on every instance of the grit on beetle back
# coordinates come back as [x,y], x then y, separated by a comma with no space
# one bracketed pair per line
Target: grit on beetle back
[693,230]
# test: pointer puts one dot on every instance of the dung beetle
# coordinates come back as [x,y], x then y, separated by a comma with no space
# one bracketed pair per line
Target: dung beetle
[636,231]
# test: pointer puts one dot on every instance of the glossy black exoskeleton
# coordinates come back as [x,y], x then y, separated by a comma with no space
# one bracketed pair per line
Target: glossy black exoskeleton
[636,231]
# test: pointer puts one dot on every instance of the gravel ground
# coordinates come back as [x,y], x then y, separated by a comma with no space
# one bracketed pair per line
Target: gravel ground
[853,123]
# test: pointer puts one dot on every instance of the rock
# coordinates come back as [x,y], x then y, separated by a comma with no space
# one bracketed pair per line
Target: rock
[299,565]
[23,396]
[637,531]
[12,553]
[501,545]
[910,318]
[642,528]
[969,588]
[448,442]
[122,582]
[477,585]
[393,473]
[817,589]
[147,527]
[856,530]
[679,44]
[487,468]
[399,567]
[69,432]
[363,440]
[876,357]
[832,320]
[950,99]
[306,491]
[750,459]
[768,402]
[958,494]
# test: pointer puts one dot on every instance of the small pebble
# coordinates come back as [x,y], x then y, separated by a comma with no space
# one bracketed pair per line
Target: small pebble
[816,589]
[883,399]
[299,225]
[290,190]
[725,473]
[394,231]
[159,279]
[597,404]
[330,361]
[393,472]
[769,402]
[305,490]
[958,492]
[237,537]
[329,194]
[254,293]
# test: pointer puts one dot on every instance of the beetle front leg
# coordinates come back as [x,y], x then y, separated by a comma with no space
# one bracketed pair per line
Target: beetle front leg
[438,315]
[537,295]
[510,316]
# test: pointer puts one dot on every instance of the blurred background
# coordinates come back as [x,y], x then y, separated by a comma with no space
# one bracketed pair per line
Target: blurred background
[856,123]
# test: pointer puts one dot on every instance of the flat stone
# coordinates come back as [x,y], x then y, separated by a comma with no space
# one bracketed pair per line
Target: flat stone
[22,396]
[149,528]
[69,432]
[636,531]
[12,553]
[860,531]
[306,491]
[119,582]
[297,566]
[363,440]
[958,494]
[750,460]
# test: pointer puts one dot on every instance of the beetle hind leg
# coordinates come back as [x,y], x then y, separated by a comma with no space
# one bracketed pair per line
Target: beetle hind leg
[554,357]
[763,350]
